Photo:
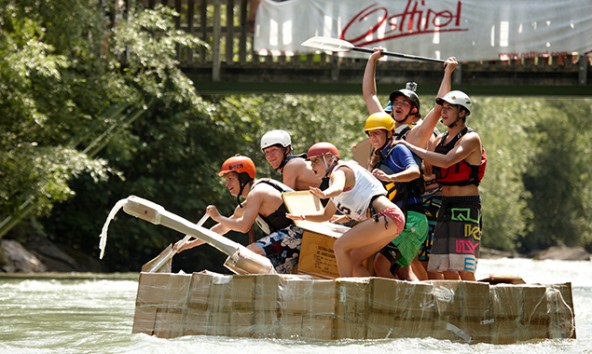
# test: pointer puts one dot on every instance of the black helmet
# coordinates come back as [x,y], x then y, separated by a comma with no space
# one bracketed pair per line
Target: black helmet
[409,92]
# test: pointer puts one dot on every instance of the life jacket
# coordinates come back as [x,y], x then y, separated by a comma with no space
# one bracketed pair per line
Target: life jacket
[401,191]
[288,158]
[276,220]
[461,173]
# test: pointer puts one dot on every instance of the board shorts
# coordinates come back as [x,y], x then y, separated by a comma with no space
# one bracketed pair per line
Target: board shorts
[403,249]
[282,247]
[431,205]
[457,236]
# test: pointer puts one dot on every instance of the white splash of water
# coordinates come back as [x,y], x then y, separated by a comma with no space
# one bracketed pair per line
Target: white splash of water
[103,236]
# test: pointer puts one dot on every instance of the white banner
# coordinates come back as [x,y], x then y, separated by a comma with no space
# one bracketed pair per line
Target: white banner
[471,30]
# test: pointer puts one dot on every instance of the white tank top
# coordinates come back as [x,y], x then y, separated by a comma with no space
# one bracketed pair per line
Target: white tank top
[355,202]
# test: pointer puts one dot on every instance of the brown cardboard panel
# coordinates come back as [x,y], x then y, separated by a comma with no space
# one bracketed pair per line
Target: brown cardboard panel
[447,298]
[561,315]
[385,295]
[199,290]
[218,323]
[361,152]
[534,322]
[169,323]
[295,294]
[319,327]
[290,325]
[243,292]
[291,306]
[316,255]
[241,323]
[196,322]
[382,325]
[266,324]
[219,298]
[266,293]
[324,301]
[352,307]
[163,289]
[507,307]
[144,319]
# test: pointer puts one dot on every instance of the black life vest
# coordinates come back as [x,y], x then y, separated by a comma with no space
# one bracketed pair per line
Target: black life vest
[461,173]
[276,220]
[401,191]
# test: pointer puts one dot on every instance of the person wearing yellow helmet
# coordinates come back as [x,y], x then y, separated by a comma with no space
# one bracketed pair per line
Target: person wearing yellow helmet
[404,107]
[263,204]
[458,160]
[399,170]
[357,194]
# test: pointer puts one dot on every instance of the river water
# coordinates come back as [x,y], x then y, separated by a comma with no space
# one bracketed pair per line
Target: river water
[95,316]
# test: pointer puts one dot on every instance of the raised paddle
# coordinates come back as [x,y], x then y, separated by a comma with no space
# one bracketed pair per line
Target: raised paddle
[339,45]
[159,261]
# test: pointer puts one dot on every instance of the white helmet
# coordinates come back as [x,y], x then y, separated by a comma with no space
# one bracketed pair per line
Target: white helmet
[276,137]
[456,98]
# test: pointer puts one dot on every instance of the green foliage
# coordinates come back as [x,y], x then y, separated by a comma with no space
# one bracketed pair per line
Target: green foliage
[558,176]
[81,128]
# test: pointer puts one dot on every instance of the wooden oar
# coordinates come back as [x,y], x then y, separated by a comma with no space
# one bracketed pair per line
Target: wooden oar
[339,45]
[156,264]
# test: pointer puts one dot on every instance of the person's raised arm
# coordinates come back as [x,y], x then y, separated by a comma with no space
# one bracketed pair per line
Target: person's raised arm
[421,134]
[369,91]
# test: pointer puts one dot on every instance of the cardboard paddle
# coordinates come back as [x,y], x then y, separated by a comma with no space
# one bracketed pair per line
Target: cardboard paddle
[240,259]
[338,45]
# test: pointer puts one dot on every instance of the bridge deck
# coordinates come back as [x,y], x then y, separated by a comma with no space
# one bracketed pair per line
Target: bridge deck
[231,66]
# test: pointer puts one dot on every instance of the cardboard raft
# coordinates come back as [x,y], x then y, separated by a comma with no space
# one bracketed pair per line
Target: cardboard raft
[296,306]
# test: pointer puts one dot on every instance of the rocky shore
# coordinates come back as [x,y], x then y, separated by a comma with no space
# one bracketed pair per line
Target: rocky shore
[40,255]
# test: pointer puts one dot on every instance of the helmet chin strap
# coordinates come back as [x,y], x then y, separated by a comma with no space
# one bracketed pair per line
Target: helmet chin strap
[406,117]
[243,184]
[328,168]
[284,160]
[453,124]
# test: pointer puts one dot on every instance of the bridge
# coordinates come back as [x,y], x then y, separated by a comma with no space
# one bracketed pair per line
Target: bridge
[231,66]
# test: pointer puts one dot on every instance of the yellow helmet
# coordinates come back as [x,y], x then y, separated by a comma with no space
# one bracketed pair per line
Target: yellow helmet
[379,120]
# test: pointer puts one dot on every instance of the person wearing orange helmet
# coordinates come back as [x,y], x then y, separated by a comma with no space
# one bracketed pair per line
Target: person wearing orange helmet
[458,160]
[263,205]
[357,194]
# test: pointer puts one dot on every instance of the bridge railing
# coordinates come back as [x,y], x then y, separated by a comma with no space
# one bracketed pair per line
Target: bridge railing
[228,27]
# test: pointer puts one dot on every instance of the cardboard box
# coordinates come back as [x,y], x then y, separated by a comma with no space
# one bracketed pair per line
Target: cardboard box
[316,255]
[316,252]
[361,152]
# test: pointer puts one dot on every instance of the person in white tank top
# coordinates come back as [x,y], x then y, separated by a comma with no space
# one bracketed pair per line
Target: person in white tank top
[359,195]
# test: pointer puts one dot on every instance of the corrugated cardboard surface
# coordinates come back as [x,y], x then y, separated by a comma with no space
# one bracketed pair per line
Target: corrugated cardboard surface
[316,255]
[293,306]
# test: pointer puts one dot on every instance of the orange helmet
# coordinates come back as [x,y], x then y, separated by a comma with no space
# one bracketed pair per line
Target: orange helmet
[320,149]
[239,164]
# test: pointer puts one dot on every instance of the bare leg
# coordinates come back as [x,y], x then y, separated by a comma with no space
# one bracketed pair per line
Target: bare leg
[418,270]
[467,276]
[368,238]
[452,275]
